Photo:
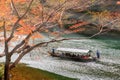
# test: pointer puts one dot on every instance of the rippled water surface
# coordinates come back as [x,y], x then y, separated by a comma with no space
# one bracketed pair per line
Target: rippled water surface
[108,68]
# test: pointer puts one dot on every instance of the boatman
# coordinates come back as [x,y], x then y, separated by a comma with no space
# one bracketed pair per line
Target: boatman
[53,50]
[98,54]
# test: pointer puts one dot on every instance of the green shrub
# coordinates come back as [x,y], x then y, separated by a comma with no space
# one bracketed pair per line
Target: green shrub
[1,70]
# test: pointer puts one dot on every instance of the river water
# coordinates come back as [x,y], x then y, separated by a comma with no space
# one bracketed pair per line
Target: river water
[108,68]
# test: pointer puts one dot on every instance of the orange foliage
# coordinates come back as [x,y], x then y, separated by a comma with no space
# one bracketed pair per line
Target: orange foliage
[1,24]
[25,30]
[5,1]
[78,25]
[8,28]
[118,2]
[46,30]
[20,1]
[36,10]
[37,35]
[74,31]
[4,8]
[55,17]
[55,33]
[114,14]
[13,19]
[78,30]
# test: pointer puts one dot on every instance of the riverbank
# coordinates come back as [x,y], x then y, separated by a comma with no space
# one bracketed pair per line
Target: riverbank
[23,72]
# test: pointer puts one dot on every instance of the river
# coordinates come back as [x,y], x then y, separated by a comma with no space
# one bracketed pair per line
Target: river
[107,68]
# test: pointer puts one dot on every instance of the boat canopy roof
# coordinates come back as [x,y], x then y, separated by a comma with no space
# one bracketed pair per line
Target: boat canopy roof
[73,50]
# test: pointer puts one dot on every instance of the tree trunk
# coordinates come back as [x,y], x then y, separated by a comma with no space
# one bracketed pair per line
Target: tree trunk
[7,62]
[7,55]
[6,70]
[16,61]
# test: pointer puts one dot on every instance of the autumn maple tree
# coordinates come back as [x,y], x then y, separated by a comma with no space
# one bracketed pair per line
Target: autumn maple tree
[30,18]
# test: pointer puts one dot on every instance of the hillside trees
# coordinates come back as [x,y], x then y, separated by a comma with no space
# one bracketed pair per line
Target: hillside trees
[30,18]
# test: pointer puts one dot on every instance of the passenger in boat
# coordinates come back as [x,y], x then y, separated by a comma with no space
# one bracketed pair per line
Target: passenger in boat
[73,55]
[62,54]
[67,54]
[82,56]
[78,55]
[88,55]
[98,54]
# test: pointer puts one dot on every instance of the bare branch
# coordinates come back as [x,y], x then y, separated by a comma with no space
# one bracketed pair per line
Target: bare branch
[2,54]
[30,49]
[102,30]
[17,60]
[20,18]
[27,9]
[111,22]
[4,31]
[24,40]
[18,46]
[42,13]
[60,18]
[5,40]
[97,33]
[56,9]
[13,6]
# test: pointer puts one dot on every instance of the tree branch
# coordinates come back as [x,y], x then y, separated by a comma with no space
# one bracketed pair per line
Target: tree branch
[24,40]
[20,18]
[101,29]
[56,10]
[13,6]
[17,60]
[4,29]
[2,54]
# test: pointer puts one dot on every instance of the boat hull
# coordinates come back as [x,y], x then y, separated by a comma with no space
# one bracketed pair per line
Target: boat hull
[75,58]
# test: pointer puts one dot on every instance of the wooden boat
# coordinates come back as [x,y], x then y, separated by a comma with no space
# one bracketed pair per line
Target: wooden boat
[73,54]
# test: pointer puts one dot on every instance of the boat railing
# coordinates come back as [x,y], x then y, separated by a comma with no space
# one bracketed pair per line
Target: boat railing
[72,52]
